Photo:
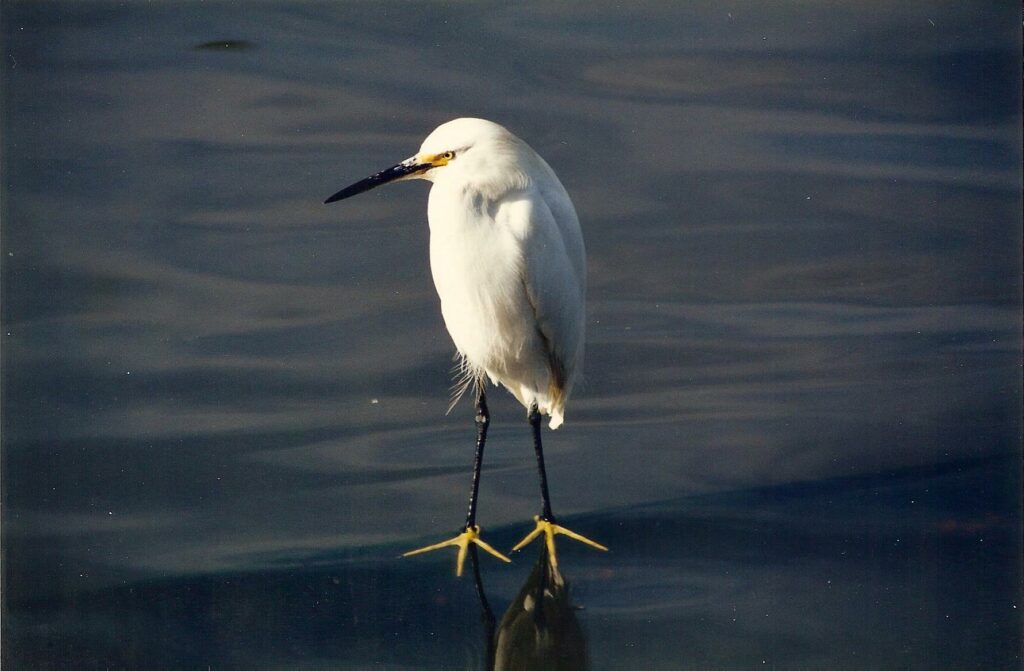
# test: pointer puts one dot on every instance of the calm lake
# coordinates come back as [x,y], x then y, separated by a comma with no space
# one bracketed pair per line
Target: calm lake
[224,403]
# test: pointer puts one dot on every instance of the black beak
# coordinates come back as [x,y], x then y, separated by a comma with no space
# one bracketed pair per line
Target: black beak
[407,167]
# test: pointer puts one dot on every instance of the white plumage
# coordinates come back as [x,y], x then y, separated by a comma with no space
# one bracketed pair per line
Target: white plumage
[507,258]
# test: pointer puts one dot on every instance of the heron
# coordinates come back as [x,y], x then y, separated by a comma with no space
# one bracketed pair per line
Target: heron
[509,265]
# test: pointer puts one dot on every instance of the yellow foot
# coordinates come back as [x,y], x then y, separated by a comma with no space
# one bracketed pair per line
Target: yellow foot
[462,541]
[550,530]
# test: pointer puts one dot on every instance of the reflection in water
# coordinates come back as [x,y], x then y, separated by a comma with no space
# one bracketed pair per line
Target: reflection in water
[539,631]
[486,613]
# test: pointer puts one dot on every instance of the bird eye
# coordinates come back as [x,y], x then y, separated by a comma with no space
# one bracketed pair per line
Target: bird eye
[448,155]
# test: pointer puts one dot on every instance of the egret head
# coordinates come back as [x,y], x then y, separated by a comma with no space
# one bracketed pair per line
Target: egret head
[459,143]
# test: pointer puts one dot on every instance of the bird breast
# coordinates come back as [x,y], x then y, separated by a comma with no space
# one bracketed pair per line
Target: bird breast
[476,263]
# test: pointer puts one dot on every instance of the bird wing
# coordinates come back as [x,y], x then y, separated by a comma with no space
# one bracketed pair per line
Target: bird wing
[553,274]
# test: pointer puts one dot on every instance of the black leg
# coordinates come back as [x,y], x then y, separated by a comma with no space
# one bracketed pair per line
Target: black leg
[546,524]
[469,538]
[534,418]
[483,418]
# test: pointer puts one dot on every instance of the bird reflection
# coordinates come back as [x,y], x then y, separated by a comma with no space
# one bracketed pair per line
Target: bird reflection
[539,631]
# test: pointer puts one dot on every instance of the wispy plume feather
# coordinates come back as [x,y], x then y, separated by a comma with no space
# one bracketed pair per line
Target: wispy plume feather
[466,375]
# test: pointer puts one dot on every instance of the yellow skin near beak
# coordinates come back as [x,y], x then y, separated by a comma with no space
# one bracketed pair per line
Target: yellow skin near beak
[436,160]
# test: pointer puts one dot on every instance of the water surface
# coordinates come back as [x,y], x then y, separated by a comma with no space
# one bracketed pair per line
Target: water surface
[224,403]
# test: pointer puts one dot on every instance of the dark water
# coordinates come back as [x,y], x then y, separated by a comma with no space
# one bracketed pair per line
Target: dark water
[224,403]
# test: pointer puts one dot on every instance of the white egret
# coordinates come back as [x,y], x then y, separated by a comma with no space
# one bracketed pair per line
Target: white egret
[507,258]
